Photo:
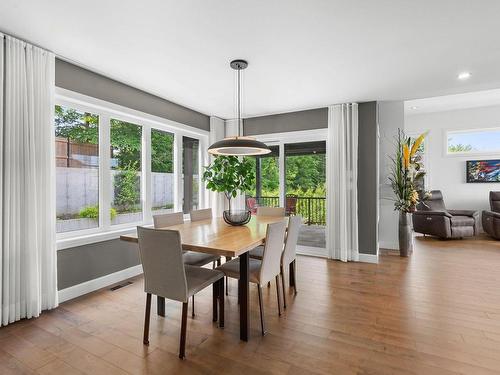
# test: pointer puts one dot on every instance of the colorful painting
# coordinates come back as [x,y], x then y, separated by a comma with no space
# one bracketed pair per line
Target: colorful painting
[483,171]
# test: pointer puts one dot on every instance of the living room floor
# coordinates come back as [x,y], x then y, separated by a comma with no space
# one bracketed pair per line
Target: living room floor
[437,312]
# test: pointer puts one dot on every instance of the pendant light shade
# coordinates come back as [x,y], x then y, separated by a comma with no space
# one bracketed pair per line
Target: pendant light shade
[237,145]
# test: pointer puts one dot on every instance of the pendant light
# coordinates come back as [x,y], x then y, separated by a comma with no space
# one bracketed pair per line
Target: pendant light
[238,145]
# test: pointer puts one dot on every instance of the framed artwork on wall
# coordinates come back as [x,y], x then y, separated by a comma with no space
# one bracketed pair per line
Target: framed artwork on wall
[483,171]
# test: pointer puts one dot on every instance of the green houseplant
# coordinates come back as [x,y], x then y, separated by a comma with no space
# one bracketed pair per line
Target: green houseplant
[406,176]
[230,175]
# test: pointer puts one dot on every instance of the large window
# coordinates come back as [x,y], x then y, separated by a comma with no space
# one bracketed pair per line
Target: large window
[473,141]
[77,169]
[162,171]
[126,147]
[117,167]
[190,175]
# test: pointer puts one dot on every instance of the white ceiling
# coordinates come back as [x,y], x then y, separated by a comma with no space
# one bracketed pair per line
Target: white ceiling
[475,99]
[302,54]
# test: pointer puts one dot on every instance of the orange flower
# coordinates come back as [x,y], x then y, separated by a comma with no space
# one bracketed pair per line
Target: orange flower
[417,144]
[406,156]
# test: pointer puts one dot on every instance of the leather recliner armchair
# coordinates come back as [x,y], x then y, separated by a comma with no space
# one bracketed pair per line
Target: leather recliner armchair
[433,218]
[491,219]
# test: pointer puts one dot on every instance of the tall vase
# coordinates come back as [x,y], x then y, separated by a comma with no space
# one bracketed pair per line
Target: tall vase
[405,235]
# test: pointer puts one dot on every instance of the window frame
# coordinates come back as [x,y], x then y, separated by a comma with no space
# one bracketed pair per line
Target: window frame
[447,132]
[106,110]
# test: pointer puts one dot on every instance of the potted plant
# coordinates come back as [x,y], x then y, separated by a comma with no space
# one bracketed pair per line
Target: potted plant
[230,175]
[405,177]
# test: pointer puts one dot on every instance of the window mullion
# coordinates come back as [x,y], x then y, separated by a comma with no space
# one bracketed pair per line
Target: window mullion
[146,175]
[177,172]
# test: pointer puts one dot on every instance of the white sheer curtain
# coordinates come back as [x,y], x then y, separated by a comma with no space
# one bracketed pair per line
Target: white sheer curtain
[28,277]
[342,182]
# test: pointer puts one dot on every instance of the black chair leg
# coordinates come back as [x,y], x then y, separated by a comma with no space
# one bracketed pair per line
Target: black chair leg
[215,297]
[262,323]
[192,308]
[221,303]
[277,278]
[218,262]
[146,319]
[295,275]
[182,345]
[283,286]
[227,280]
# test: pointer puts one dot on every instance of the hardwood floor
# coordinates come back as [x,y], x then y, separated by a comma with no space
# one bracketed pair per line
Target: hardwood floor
[437,312]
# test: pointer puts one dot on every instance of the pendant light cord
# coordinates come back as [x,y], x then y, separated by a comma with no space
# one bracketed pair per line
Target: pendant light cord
[239,102]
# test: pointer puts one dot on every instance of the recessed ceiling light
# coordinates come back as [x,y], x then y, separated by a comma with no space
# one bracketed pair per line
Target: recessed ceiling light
[464,75]
[413,107]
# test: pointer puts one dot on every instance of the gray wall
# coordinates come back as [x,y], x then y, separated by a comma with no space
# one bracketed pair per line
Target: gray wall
[85,82]
[287,122]
[83,263]
[390,118]
[368,178]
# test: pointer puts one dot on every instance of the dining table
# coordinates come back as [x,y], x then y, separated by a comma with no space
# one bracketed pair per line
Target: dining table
[215,236]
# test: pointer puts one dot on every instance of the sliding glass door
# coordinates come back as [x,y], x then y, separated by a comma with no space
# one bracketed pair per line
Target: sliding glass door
[293,176]
[305,192]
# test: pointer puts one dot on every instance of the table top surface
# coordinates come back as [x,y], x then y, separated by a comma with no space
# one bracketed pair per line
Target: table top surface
[214,236]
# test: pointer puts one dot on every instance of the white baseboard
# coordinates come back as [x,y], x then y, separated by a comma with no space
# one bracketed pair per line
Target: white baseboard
[100,282]
[389,245]
[368,258]
[312,251]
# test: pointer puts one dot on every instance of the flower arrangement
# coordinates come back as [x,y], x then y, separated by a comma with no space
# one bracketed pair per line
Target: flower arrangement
[407,172]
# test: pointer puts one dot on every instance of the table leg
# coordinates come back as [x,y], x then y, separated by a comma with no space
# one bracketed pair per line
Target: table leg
[291,275]
[244,297]
[160,302]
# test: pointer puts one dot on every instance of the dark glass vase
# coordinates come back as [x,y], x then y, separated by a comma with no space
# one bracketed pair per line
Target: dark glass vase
[237,217]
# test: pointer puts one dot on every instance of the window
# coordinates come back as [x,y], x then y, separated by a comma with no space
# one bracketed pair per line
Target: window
[190,175]
[117,167]
[162,172]
[473,141]
[77,169]
[126,148]
[267,180]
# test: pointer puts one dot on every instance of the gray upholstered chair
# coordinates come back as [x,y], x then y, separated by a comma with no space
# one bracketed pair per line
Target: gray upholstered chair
[203,214]
[166,275]
[491,219]
[191,258]
[433,218]
[270,211]
[289,255]
[263,271]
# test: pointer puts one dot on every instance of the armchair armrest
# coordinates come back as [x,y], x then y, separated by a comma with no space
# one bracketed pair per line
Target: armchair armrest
[470,213]
[432,213]
[494,214]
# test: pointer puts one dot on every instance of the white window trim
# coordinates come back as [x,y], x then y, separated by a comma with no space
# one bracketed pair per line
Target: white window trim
[446,132]
[106,111]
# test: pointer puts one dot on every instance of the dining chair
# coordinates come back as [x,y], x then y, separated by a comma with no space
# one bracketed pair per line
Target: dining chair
[191,258]
[166,275]
[270,211]
[265,211]
[203,214]
[263,271]
[289,256]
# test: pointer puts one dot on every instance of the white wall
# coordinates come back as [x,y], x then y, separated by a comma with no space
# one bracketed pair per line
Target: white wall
[390,118]
[447,173]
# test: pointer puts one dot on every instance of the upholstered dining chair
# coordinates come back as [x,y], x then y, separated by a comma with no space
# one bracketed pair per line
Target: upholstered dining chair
[191,258]
[289,255]
[203,214]
[166,275]
[270,211]
[263,271]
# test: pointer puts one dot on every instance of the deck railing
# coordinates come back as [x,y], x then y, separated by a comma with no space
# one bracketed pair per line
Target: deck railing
[312,209]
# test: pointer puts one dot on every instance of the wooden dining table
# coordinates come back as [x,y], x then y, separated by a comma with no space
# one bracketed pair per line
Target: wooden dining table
[214,236]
